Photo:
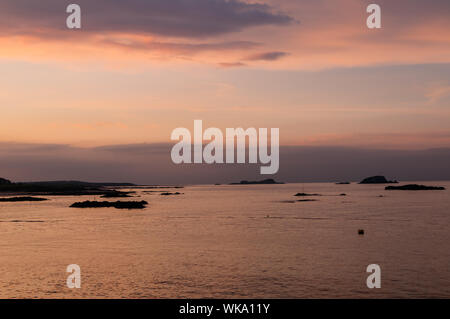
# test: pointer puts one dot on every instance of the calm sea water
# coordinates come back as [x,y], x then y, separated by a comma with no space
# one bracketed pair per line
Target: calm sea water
[232,242]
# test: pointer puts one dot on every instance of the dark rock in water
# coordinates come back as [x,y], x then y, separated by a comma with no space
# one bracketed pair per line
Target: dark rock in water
[306,194]
[23,199]
[360,231]
[4,181]
[118,204]
[169,194]
[307,200]
[377,180]
[342,183]
[415,187]
[116,194]
[266,181]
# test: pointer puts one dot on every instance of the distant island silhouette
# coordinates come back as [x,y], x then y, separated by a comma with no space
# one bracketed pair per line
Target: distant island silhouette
[377,180]
[415,187]
[265,181]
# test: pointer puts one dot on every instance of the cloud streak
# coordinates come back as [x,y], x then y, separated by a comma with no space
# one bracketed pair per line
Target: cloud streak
[266,56]
[182,48]
[175,18]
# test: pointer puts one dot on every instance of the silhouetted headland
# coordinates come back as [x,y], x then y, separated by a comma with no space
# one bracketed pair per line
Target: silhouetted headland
[56,188]
[4,181]
[169,194]
[23,199]
[342,183]
[265,181]
[415,187]
[118,204]
[377,180]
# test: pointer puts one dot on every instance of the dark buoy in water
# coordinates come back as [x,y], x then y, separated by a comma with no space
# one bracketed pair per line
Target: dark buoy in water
[360,231]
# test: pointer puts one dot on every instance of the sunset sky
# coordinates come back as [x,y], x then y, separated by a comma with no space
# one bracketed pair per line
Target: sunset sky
[139,69]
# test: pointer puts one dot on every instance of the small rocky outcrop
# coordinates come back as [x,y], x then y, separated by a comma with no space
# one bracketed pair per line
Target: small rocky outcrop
[170,194]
